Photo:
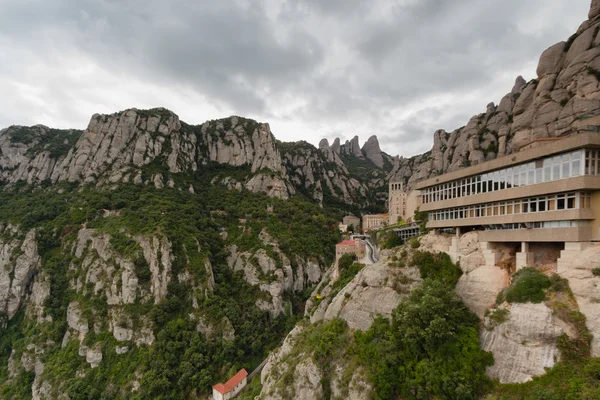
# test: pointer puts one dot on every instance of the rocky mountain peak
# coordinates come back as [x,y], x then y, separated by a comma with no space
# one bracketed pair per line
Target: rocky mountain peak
[324,144]
[594,9]
[353,148]
[519,83]
[372,151]
[335,147]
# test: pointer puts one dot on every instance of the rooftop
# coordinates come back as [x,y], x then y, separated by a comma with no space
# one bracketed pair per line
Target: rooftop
[233,382]
[347,243]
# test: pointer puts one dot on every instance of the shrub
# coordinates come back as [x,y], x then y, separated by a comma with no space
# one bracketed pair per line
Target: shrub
[346,261]
[437,266]
[596,271]
[414,243]
[430,351]
[528,286]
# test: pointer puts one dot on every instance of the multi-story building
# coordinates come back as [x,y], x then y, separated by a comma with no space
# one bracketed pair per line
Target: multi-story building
[397,203]
[374,221]
[549,192]
[351,220]
[355,246]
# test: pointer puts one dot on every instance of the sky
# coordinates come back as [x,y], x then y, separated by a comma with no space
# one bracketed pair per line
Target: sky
[312,69]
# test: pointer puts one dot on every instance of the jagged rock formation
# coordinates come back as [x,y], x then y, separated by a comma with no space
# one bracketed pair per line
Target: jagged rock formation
[273,272]
[564,98]
[372,151]
[306,376]
[153,147]
[584,285]
[376,289]
[19,261]
[352,148]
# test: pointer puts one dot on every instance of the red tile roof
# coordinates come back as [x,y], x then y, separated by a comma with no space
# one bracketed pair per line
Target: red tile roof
[347,243]
[233,382]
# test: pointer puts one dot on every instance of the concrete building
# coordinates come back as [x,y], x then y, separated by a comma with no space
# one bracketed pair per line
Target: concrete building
[230,389]
[351,220]
[397,203]
[549,192]
[374,222]
[355,246]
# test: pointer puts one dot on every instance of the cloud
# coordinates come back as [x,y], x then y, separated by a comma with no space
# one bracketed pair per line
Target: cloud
[313,68]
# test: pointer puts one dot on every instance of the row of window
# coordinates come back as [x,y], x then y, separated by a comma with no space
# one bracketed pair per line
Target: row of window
[563,201]
[543,170]
[536,225]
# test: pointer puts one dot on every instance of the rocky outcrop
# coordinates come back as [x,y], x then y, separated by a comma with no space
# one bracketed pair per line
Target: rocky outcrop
[351,147]
[19,260]
[273,273]
[584,285]
[375,290]
[525,343]
[372,151]
[304,379]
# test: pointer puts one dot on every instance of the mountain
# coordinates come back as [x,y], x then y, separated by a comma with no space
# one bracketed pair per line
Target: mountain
[146,257]
[400,328]
[155,147]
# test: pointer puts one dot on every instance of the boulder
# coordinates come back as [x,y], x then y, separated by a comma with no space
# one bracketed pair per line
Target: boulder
[551,60]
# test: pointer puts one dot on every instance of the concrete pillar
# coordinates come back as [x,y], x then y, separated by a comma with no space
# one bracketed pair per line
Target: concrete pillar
[572,249]
[490,255]
[453,251]
[524,257]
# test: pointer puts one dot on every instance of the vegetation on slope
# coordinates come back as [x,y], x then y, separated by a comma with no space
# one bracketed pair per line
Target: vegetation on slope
[182,362]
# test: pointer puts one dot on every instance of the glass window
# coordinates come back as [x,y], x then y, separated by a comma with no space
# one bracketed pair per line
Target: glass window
[538,175]
[547,174]
[542,205]
[565,170]
[560,203]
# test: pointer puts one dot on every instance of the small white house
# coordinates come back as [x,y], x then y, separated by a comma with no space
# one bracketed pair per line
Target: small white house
[230,389]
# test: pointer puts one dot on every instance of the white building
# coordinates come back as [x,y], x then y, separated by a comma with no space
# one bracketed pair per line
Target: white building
[230,389]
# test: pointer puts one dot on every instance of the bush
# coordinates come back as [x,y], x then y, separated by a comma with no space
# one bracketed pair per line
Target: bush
[596,271]
[437,266]
[346,261]
[430,351]
[528,285]
[414,243]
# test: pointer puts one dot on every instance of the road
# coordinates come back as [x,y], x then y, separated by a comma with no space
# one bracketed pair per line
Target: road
[370,256]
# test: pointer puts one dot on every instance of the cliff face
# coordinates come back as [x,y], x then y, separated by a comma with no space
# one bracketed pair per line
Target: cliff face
[564,98]
[152,147]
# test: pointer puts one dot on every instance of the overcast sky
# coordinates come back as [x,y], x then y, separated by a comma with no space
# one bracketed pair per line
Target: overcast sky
[399,69]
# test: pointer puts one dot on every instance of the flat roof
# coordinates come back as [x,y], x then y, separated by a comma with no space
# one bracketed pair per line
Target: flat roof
[545,148]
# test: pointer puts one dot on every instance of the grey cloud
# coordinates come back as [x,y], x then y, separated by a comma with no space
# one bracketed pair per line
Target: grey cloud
[329,65]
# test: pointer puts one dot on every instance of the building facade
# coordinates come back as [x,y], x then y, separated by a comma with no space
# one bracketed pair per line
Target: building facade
[374,222]
[397,203]
[355,246]
[351,220]
[547,193]
[231,388]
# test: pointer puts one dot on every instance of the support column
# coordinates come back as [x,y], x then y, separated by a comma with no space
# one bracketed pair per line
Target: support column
[572,249]
[453,251]
[490,255]
[524,257]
